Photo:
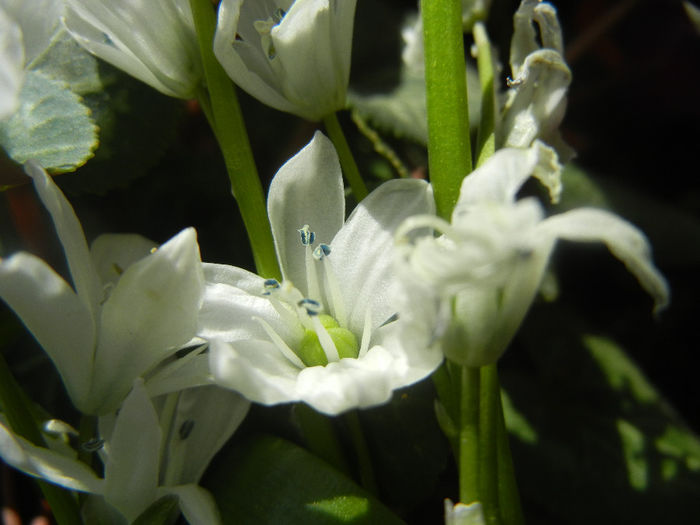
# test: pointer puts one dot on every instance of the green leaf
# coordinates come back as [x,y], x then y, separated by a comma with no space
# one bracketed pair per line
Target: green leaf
[65,60]
[269,480]
[51,126]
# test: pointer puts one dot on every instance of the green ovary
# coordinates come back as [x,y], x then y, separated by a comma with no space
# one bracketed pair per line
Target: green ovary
[311,352]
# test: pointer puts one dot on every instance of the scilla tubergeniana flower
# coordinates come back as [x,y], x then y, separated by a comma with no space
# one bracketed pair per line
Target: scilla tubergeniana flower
[487,265]
[152,40]
[131,306]
[148,450]
[327,334]
[293,55]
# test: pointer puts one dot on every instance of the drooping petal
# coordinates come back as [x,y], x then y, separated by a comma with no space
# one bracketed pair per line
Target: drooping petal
[46,464]
[113,253]
[197,505]
[133,451]
[362,252]
[70,232]
[11,64]
[55,316]
[152,309]
[623,240]
[307,189]
[256,369]
[503,174]
[204,420]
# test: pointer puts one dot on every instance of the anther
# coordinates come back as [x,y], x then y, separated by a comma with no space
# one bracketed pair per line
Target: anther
[307,236]
[312,307]
[391,319]
[270,285]
[93,445]
[321,251]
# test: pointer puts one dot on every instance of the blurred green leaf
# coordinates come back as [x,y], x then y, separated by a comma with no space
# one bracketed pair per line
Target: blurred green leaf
[269,480]
[52,126]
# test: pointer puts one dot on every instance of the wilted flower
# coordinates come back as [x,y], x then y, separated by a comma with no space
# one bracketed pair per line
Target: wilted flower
[152,40]
[487,265]
[130,308]
[325,335]
[293,55]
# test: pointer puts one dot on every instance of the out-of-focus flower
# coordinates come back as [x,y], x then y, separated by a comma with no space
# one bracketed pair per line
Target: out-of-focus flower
[145,456]
[487,265]
[461,514]
[130,308]
[152,40]
[293,55]
[327,334]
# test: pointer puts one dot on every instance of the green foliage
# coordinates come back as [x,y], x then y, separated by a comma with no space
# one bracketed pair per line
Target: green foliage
[271,480]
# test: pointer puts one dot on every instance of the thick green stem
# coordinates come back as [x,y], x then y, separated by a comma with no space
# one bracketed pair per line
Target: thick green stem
[486,137]
[469,436]
[364,461]
[231,134]
[347,161]
[449,149]
[16,408]
[489,419]
[321,438]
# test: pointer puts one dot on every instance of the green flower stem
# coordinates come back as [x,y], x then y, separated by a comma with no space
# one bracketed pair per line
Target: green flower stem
[449,148]
[508,494]
[88,426]
[486,137]
[16,408]
[469,436]
[489,419]
[231,134]
[362,452]
[347,161]
[321,438]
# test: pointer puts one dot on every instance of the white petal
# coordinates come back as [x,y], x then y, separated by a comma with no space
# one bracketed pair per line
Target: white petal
[47,464]
[623,240]
[189,371]
[502,175]
[113,253]
[461,514]
[308,189]
[152,309]
[131,471]
[70,232]
[362,252]
[54,315]
[11,64]
[244,61]
[39,21]
[232,301]
[153,41]
[206,417]
[196,504]
[348,383]
[256,369]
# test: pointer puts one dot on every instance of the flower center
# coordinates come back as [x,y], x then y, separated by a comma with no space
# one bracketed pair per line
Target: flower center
[264,29]
[325,338]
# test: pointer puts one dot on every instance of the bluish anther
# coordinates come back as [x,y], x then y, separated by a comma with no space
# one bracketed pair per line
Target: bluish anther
[269,285]
[307,236]
[312,307]
[321,251]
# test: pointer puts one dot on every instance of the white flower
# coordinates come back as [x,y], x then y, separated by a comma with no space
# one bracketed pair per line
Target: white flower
[271,341]
[129,311]
[293,55]
[536,101]
[461,514]
[487,265]
[147,454]
[152,40]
